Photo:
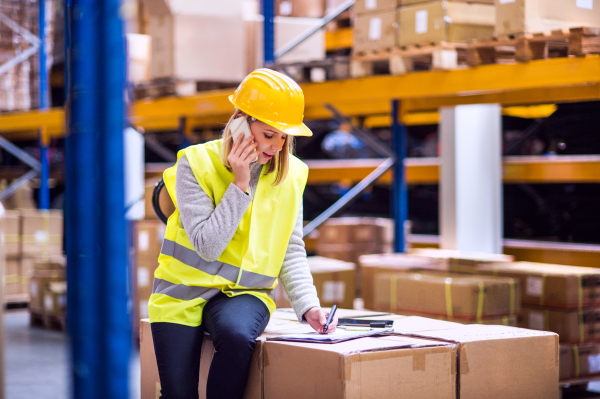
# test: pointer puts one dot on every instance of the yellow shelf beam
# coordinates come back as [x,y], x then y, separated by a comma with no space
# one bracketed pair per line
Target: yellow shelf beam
[539,169]
[339,39]
[536,82]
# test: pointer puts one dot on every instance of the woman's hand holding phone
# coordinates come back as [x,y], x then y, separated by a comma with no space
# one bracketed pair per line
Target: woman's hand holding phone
[242,153]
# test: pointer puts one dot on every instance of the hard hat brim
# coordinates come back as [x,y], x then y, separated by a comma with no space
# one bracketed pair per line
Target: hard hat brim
[292,130]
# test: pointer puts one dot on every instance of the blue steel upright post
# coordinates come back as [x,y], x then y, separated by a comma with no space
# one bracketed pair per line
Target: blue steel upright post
[269,31]
[96,231]
[44,193]
[399,189]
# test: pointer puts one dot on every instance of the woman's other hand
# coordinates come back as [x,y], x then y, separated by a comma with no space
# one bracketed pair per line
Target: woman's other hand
[242,153]
[317,318]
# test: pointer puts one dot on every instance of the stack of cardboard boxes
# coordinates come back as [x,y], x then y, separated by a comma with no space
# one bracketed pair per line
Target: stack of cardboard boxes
[561,299]
[334,280]
[348,238]
[382,25]
[48,291]
[148,235]
[29,235]
[422,358]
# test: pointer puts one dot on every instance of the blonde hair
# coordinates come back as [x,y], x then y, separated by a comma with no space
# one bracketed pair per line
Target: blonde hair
[280,163]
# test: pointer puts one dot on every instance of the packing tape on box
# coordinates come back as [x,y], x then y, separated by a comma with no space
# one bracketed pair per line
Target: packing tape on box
[576,360]
[580,290]
[505,320]
[511,287]
[46,225]
[13,278]
[581,325]
[393,293]
[32,239]
[546,320]
[448,297]
[480,298]
[11,238]
[542,290]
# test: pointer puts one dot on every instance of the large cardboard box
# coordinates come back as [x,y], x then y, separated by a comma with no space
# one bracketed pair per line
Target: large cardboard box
[540,16]
[38,286]
[382,367]
[572,325]
[510,320]
[13,281]
[411,2]
[580,360]
[356,230]
[149,236]
[375,32]
[445,21]
[300,8]
[461,261]
[335,281]
[551,285]
[55,299]
[498,362]
[12,234]
[372,265]
[176,26]
[446,294]
[362,7]
[42,232]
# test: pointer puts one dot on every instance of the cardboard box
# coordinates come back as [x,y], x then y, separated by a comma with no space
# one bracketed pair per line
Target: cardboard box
[578,361]
[300,8]
[12,234]
[356,230]
[404,3]
[444,294]
[511,320]
[149,236]
[372,265]
[335,281]
[12,278]
[54,262]
[539,16]
[38,285]
[374,32]
[551,285]
[461,261]
[42,232]
[175,27]
[498,362]
[55,298]
[365,7]
[166,204]
[382,367]
[138,57]
[445,21]
[572,325]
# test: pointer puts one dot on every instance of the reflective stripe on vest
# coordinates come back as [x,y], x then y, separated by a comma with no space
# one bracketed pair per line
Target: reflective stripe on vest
[229,272]
[188,292]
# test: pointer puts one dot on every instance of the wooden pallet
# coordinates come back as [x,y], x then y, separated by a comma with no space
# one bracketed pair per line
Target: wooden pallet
[49,322]
[331,68]
[435,56]
[164,87]
[524,48]
[16,301]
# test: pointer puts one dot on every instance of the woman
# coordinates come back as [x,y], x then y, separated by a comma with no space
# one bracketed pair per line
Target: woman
[237,226]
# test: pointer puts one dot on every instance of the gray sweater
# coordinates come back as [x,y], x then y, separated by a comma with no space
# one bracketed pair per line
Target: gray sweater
[210,228]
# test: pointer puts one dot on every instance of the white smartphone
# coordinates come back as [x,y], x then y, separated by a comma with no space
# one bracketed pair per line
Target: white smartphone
[240,126]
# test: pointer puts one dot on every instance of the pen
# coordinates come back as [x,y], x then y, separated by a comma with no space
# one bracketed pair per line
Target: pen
[329,318]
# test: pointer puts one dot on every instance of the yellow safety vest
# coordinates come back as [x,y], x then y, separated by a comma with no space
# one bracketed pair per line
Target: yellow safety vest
[184,282]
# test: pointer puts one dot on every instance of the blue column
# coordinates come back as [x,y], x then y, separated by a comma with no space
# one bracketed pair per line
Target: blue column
[96,231]
[399,189]
[268,10]
[44,192]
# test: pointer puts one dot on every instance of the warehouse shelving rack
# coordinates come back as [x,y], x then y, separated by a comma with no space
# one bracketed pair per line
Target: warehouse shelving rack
[417,95]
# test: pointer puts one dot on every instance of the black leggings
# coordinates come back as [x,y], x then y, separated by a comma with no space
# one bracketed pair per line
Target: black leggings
[234,323]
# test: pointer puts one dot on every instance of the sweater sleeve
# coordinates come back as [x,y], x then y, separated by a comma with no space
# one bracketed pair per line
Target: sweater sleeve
[295,274]
[209,228]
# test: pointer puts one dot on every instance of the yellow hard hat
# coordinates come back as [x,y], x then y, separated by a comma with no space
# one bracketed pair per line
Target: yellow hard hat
[273,98]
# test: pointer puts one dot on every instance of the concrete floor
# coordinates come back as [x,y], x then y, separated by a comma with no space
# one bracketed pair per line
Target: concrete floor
[36,361]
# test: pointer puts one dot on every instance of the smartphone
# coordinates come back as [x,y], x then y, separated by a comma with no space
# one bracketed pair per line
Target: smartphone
[240,126]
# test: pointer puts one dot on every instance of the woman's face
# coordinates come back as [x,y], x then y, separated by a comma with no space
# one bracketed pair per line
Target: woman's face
[270,140]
